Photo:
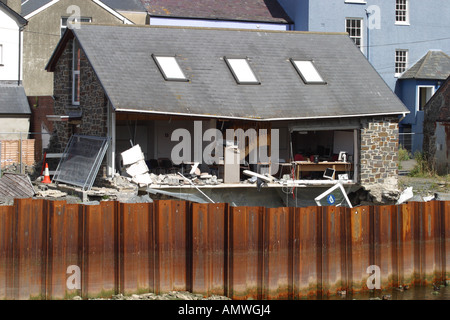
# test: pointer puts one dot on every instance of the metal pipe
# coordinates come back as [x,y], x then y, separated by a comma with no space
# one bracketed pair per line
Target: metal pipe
[196,187]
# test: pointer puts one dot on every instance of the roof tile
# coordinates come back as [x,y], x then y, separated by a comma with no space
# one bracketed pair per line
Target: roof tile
[244,10]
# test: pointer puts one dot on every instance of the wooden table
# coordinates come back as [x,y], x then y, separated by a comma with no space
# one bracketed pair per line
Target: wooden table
[305,166]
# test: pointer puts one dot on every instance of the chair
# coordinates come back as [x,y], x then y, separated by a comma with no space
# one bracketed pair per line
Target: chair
[153,166]
[167,165]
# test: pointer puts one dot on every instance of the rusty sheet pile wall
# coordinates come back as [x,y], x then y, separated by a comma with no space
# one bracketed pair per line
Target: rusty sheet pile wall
[241,252]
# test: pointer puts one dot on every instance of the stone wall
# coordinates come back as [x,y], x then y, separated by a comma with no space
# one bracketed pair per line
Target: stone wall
[379,157]
[93,102]
[436,130]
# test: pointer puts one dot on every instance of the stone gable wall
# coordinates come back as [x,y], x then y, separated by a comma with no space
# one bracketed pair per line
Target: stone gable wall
[93,102]
[379,155]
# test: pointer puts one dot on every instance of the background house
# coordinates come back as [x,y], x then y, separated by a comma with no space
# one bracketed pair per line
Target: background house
[133,10]
[130,97]
[14,109]
[250,14]
[436,142]
[47,21]
[416,86]
[393,35]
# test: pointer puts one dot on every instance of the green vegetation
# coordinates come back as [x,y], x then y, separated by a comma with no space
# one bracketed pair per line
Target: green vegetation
[423,168]
[403,154]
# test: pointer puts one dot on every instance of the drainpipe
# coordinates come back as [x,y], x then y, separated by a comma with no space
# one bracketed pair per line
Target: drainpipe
[368,34]
[20,55]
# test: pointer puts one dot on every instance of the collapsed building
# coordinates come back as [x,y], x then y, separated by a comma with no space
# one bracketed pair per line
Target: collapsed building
[287,110]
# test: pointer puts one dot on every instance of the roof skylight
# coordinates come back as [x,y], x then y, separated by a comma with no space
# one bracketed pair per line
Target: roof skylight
[241,70]
[169,68]
[308,72]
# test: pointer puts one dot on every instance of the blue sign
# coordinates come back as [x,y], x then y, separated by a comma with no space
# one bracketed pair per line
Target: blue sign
[331,199]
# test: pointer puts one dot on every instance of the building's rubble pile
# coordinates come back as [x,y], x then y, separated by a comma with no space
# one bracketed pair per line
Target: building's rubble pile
[172,295]
[136,171]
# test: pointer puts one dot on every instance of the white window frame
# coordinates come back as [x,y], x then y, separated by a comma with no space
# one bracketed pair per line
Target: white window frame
[361,37]
[356,1]
[406,51]
[406,11]
[433,90]
[235,73]
[179,74]
[305,66]
[62,26]
[74,74]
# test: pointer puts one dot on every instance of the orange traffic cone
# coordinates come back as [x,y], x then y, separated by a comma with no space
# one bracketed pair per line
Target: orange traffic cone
[46,175]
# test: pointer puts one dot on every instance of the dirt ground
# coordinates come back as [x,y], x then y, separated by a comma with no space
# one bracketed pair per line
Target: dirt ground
[423,186]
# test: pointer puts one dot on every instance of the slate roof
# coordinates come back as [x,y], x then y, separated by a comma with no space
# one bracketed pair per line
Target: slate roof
[29,6]
[125,5]
[239,10]
[13,100]
[242,10]
[435,65]
[21,20]
[121,58]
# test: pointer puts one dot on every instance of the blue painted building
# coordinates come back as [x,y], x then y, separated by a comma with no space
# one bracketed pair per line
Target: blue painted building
[394,35]
[418,84]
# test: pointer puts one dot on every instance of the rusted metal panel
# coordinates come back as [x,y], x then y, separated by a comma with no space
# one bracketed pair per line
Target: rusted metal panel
[385,234]
[6,252]
[209,248]
[446,239]
[406,240]
[359,247]
[334,273]
[440,242]
[431,251]
[241,252]
[277,272]
[29,249]
[99,265]
[64,255]
[136,248]
[305,254]
[245,261]
[172,232]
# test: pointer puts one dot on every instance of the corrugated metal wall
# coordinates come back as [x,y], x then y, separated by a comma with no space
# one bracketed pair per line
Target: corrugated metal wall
[241,252]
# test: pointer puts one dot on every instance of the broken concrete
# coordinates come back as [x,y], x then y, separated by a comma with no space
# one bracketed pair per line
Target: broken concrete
[384,193]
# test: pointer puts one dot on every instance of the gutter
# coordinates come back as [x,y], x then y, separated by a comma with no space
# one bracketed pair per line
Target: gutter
[403,117]
[259,119]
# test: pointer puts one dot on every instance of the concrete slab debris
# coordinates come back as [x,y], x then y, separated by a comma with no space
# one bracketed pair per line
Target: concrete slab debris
[132,155]
[137,168]
[50,194]
[406,195]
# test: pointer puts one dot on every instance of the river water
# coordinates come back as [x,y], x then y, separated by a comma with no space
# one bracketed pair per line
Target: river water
[413,293]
